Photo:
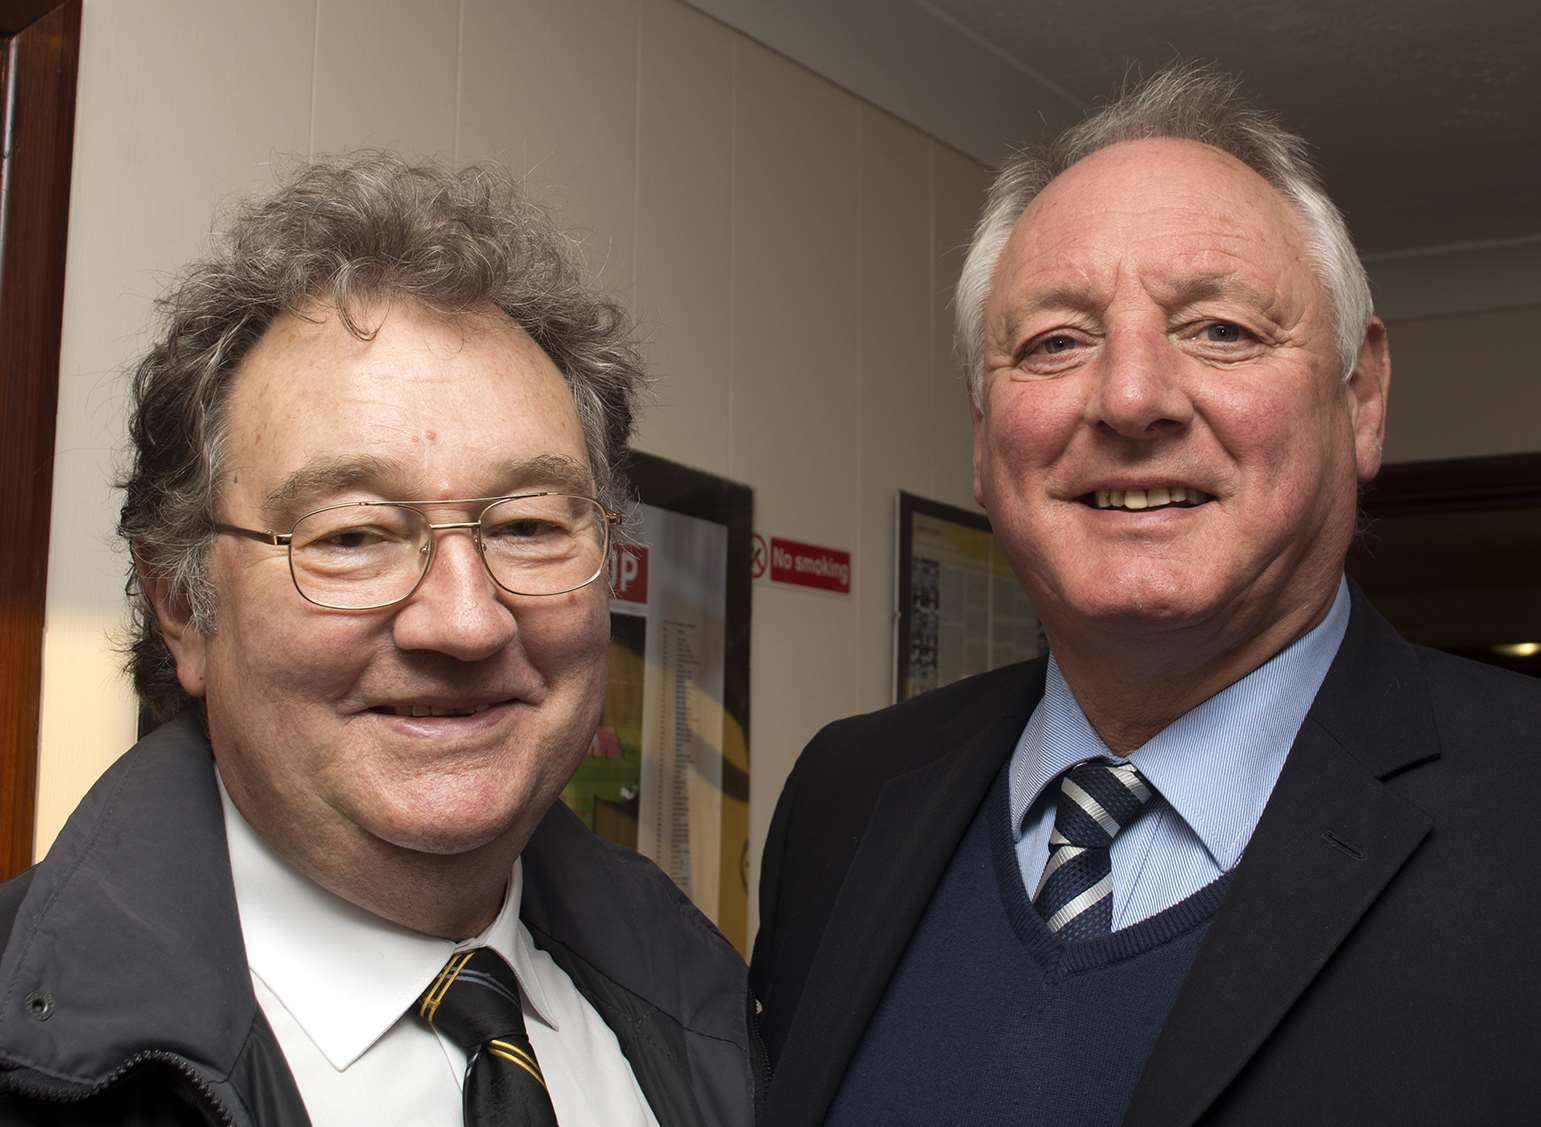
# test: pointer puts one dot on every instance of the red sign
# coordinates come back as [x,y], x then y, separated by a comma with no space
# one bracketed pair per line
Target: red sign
[808,565]
[628,573]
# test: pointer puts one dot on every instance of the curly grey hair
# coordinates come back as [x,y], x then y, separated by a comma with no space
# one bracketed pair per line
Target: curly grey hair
[345,232]
[1185,101]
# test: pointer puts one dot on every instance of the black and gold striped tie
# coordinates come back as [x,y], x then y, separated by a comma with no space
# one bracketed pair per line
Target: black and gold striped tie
[475,1002]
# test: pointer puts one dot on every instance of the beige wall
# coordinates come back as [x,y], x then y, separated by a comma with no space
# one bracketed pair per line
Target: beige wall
[1465,385]
[788,248]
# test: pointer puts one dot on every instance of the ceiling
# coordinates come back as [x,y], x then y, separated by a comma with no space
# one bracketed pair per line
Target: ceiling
[1425,114]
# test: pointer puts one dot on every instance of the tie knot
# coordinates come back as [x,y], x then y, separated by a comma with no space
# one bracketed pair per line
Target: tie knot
[474,999]
[1096,800]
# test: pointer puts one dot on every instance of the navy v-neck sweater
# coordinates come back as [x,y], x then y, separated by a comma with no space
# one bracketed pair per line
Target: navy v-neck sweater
[990,1019]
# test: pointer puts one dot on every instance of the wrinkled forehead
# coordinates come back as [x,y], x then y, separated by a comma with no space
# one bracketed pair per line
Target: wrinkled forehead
[1166,197]
[418,403]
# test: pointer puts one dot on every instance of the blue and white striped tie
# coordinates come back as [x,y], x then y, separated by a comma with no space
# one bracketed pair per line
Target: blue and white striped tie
[1096,801]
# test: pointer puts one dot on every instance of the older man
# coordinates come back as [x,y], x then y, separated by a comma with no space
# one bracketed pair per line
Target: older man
[1235,852]
[374,480]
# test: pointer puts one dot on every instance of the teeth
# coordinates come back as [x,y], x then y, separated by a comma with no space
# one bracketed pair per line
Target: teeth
[1153,498]
[428,710]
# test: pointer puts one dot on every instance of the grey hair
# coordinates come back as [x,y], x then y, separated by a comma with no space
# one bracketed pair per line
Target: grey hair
[345,232]
[1185,101]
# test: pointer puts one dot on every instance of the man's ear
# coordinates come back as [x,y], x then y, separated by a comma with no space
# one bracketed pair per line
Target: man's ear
[981,453]
[188,645]
[1369,389]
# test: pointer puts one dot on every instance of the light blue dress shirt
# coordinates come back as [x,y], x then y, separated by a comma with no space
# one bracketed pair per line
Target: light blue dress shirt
[1213,769]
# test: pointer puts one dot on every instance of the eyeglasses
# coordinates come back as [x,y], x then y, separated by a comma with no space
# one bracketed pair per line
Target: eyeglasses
[370,554]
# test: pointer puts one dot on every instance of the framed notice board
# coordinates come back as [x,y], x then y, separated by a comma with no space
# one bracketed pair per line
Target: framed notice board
[668,772]
[960,608]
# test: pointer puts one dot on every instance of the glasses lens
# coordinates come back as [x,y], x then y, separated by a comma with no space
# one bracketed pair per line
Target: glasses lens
[544,545]
[358,556]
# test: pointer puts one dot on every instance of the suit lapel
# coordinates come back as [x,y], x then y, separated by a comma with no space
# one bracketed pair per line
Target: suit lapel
[906,846]
[1331,838]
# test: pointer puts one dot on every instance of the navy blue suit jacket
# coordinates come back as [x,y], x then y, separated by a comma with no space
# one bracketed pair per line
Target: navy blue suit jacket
[1374,961]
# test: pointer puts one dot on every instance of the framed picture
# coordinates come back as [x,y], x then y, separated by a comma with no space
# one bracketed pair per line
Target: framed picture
[668,772]
[960,608]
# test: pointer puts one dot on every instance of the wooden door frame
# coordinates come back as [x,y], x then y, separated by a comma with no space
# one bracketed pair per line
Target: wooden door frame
[1499,481]
[37,123]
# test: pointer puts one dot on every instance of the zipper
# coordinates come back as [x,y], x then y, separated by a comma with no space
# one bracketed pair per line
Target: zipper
[759,1058]
[212,1103]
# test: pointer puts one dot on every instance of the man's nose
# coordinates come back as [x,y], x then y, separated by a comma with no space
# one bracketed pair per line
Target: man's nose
[1139,391]
[457,609]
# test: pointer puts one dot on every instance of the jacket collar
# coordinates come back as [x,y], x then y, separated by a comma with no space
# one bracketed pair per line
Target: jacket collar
[615,910]
[130,925]
[1333,836]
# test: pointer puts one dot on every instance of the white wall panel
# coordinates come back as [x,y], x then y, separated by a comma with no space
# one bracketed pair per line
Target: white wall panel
[958,191]
[795,386]
[386,76]
[685,233]
[550,87]
[898,427]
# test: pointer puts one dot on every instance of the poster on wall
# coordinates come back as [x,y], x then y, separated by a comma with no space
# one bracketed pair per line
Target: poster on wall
[960,609]
[667,773]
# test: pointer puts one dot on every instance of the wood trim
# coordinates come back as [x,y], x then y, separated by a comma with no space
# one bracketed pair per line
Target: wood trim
[18,15]
[37,116]
[1502,481]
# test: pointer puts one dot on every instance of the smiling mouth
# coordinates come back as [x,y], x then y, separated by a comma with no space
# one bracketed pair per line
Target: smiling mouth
[428,710]
[1145,500]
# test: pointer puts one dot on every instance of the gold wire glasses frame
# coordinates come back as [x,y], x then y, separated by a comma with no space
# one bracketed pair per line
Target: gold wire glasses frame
[348,556]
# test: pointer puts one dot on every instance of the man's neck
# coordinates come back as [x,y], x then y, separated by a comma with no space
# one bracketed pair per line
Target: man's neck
[1131,685]
[453,897]
[449,895]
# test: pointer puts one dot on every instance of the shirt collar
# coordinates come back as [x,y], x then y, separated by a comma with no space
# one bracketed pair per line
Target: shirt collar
[344,974]
[1216,764]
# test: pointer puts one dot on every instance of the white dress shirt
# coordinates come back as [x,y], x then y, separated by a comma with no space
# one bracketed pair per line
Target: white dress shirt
[336,984]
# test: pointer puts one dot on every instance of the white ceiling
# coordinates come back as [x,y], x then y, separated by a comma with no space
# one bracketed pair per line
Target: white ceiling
[1425,114]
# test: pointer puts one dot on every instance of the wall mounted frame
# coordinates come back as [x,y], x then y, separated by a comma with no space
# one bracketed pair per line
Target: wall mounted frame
[669,485]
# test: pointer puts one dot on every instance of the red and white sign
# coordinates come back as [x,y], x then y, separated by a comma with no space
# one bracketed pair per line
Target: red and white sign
[628,573]
[808,565]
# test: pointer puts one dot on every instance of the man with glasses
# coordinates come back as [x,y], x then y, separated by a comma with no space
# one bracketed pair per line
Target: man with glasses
[374,483]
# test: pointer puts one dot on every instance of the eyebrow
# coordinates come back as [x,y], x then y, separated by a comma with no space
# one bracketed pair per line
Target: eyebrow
[1181,295]
[328,477]
[1222,286]
[1009,326]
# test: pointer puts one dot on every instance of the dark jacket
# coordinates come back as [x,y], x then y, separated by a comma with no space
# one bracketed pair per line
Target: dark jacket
[125,997]
[1373,961]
